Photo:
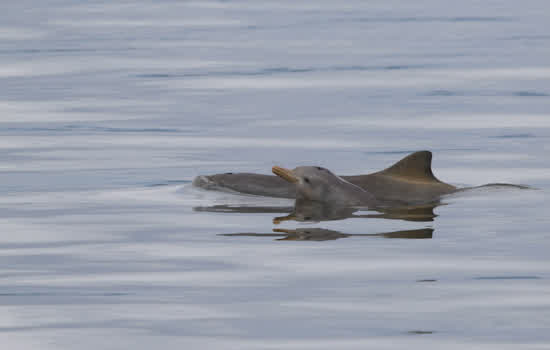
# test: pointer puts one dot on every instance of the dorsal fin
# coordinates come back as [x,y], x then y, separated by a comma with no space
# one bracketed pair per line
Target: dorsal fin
[416,166]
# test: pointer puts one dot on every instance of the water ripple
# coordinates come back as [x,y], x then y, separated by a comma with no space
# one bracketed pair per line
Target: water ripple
[437,19]
[89,128]
[507,278]
[284,70]
[513,136]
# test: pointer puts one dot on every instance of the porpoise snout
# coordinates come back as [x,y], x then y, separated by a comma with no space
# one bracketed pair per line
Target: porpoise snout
[284,173]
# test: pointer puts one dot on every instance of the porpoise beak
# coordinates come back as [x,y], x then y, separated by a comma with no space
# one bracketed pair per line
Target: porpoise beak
[280,219]
[285,174]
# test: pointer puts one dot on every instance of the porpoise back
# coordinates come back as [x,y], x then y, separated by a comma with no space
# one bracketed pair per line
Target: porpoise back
[409,180]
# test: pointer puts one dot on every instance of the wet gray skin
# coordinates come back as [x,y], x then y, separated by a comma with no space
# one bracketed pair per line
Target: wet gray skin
[410,180]
[321,185]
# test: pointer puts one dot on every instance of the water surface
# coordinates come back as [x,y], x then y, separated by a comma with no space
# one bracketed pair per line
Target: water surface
[110,109]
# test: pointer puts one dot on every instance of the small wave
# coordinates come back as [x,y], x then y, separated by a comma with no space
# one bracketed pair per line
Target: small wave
[70,128]
[530,94]
[513,136]
[38,294]
[168,183]
[282,70]
[507,278]
[156,75]
[442,93]
[63,50]
[437,19]
[486,93]
[420,332]
[526,37]
[412,151]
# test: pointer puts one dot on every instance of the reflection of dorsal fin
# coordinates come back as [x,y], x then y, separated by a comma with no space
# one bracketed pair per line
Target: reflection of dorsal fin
[416,166]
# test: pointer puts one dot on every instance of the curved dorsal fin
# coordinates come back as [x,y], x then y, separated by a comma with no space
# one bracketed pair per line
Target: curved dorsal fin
[416,166]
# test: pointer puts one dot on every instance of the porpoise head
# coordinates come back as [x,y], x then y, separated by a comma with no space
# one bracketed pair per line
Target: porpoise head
[319,184]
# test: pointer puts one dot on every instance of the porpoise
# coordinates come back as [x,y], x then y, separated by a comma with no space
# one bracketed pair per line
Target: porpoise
[410,180]
[318,184]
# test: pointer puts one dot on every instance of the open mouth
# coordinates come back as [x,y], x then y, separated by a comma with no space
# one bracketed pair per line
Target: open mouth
[285,174]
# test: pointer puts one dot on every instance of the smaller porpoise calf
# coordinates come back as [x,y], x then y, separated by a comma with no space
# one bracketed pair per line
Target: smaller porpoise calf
[319,184]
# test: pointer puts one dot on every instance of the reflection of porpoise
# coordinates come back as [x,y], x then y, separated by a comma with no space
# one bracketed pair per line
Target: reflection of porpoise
[321,234]
[317,211]
[409,180]
[304,211]
[320,185]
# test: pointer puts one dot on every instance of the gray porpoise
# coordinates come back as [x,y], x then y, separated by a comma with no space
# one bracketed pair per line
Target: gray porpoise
[321,185]
[410,180]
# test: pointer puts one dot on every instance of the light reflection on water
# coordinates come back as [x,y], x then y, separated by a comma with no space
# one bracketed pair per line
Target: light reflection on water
[110,110]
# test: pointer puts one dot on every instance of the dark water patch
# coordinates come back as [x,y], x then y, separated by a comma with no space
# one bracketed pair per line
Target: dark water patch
[397,67]
[507,278]
[31,294]
[34,129]
[496,186]
[288,70]
[79,294]
[479,19]
[156,75]
[426,280]
[351,68]
[391,152]
[433,150]
[513,136]
[424,19]
[526,37]
[281,70]
[261,72]
[443,93]
[168,183]
[110,324]
[381,67]
[134,130]
[420,332]
[530,94]
[62,50]
[377,68]
[72,128]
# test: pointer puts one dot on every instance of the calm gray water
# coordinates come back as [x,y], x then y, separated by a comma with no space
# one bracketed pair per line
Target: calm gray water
[108,110]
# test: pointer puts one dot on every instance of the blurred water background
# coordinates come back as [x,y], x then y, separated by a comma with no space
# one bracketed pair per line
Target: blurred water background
[109,109]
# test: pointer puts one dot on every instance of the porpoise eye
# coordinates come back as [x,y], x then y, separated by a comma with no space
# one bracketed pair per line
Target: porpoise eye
[319,168]
[306,179]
